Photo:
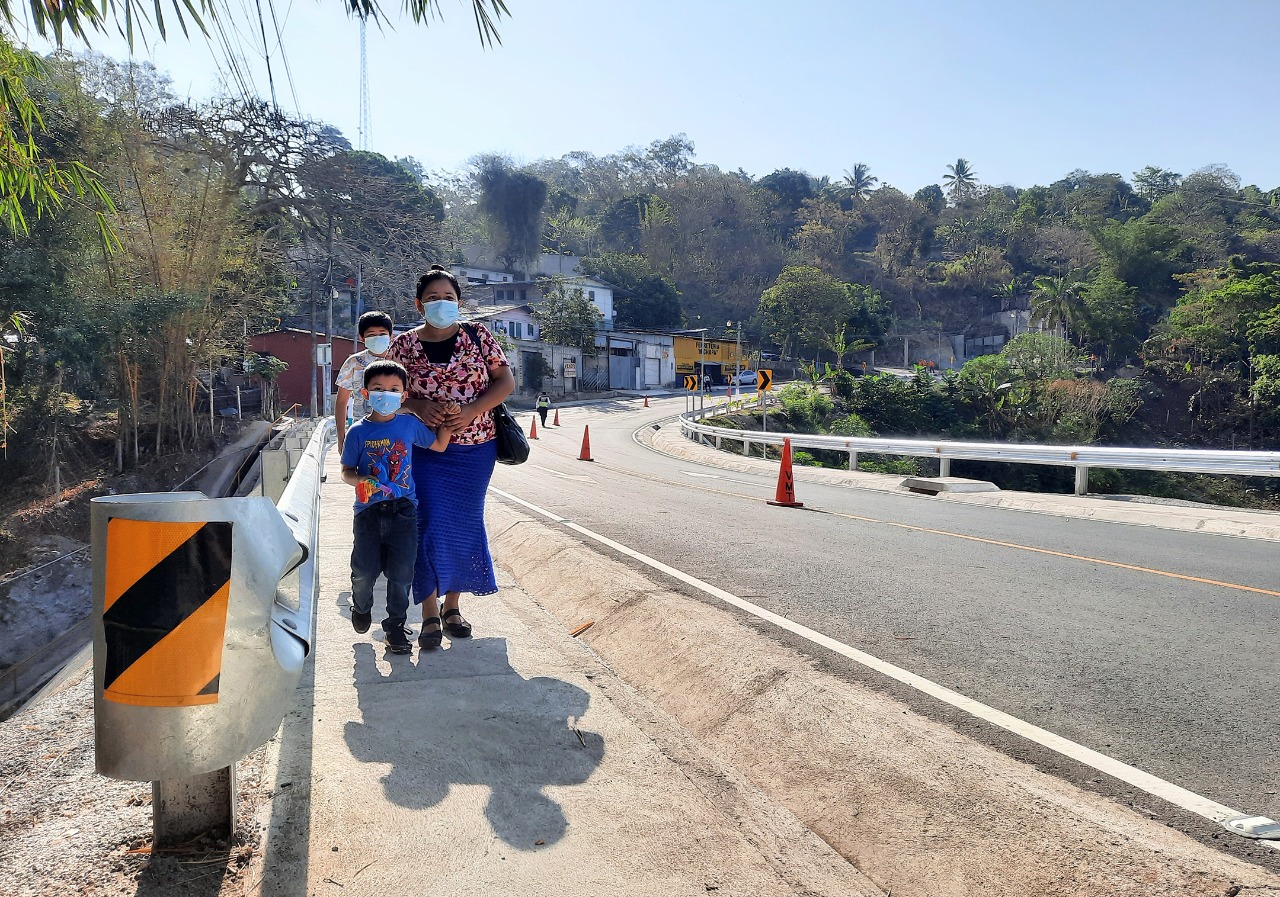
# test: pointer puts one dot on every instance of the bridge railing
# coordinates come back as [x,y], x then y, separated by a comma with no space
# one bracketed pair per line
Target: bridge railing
[1079,457]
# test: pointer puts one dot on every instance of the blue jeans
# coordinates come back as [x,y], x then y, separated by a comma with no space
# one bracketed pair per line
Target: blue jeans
[386,541]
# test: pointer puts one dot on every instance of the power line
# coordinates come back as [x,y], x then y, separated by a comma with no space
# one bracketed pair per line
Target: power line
[284,57]
[266,54]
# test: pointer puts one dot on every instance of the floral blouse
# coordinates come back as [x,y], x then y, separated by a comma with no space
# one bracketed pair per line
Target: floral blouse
[462,379]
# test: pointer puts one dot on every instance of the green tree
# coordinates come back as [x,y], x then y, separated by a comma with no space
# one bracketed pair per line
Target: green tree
[859,182]
[807,309]
[1154,183]
[565,316]
[1056,300]
[961,180]
[1109,322]
[932,199]
[646,299]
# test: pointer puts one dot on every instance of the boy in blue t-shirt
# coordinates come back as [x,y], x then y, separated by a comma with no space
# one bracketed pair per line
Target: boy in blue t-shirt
[377,458]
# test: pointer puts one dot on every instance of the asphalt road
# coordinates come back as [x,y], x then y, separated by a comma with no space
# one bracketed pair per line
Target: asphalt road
[1173,676]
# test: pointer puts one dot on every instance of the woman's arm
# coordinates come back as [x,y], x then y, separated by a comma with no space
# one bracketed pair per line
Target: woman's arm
[502,383]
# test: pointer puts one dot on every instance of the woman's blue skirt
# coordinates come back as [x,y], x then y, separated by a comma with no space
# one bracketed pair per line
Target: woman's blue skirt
[453,547]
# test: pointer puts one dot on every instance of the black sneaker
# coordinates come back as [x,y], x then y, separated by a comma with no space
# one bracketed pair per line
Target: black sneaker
[360,622]
[398,640]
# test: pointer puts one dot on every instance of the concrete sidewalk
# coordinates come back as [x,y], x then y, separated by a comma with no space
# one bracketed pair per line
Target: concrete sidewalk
[511,763]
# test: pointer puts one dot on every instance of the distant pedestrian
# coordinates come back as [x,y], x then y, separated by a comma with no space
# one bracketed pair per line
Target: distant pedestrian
[375,328]
[377,459]
[543,404]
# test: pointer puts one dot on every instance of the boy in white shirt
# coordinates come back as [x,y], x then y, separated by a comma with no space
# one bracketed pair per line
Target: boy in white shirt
[375,328]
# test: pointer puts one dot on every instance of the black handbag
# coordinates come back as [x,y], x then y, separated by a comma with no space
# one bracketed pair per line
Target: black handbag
[513,445]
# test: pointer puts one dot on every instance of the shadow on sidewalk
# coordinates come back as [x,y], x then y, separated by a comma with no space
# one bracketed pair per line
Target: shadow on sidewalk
[464,716]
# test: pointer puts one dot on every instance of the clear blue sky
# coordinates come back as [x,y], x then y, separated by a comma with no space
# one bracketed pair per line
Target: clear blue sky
[1026,90]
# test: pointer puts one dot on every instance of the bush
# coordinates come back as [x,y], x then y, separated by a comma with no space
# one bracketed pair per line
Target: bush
[851,425]
[843,384]
[805,406]
[907,467]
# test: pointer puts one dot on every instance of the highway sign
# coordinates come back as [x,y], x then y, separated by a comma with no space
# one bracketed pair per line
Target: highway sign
[764,380]
[690,382]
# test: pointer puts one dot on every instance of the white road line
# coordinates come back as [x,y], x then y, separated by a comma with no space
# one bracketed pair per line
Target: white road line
[1167,791]
[563,476]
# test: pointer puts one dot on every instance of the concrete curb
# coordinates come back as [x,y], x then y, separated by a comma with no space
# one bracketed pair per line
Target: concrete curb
[919,808]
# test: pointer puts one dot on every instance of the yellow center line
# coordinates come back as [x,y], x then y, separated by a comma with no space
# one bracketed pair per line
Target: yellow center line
[942,532]
[1057,554]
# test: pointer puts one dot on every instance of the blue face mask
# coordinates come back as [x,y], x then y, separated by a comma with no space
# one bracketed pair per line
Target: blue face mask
[385,402]
[378,344]
[441,312]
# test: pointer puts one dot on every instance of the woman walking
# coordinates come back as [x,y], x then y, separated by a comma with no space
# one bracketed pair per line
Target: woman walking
[457,375]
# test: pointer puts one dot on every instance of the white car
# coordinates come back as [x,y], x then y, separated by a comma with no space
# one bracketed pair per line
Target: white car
[745,379]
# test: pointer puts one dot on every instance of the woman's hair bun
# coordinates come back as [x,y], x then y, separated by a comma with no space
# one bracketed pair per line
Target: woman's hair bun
[437,267]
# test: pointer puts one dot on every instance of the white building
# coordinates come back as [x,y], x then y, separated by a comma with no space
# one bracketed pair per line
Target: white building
[484,286]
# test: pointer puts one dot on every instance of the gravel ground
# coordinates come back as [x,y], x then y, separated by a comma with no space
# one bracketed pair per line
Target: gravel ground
[64,829]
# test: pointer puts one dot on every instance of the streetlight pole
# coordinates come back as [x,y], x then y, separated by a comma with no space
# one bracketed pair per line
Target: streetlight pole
[737,371]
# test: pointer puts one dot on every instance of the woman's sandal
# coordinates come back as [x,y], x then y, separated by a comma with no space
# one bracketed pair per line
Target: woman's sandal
[460,629]
[427,640]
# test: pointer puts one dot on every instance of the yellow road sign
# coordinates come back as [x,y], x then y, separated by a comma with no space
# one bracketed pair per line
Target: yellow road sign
[690,382]
[764,380]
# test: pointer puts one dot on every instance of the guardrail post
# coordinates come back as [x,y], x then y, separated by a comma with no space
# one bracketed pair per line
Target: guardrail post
[1082,480]
[944,467]
[717,442]
[184,809]
[746,447]
[853,460]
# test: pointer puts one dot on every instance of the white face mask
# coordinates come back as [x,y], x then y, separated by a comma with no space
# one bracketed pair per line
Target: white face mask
[377,344]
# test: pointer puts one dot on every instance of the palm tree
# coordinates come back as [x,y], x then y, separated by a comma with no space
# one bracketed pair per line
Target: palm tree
[961,179]
[1057,300]
[860,181]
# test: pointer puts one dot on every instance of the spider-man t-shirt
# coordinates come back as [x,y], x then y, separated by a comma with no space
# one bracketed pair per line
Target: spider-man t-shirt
[383,451]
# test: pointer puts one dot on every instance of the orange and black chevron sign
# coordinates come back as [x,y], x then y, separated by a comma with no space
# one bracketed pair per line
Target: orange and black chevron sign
[165,613]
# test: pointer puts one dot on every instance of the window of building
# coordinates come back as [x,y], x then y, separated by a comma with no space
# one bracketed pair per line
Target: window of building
[591,294]
[515,329]
[522,296]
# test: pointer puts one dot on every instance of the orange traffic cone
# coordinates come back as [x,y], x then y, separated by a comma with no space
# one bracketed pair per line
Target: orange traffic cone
[646,401]
[556,422]
[533,427]
[786,494]
[586,445]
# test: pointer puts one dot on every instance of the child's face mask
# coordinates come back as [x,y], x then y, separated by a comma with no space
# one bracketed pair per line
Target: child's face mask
[378,344]
[384,402]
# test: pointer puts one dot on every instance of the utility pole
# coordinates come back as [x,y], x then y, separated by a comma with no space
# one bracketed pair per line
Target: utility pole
[328,359]
[315,348]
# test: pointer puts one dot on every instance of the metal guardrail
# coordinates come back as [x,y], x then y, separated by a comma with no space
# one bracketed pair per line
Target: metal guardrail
[1079,457]
[204,618]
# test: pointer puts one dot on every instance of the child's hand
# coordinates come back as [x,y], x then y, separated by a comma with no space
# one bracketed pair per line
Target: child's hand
[452,408]
[366,488]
